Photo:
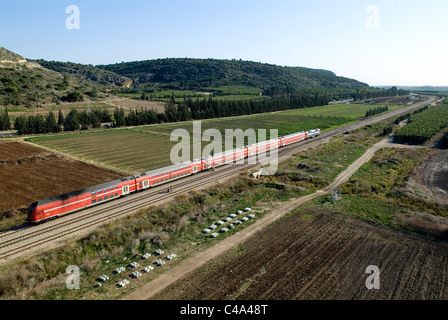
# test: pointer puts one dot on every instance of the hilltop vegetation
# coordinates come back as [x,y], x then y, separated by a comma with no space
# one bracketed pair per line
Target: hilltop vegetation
[192,74]
[181,84]
[27,83]
[87,73]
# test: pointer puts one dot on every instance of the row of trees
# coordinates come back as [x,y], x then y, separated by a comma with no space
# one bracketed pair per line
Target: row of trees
[408,115]
[74,120]
[425,125]
[376,110]
[5,123]
[209,108]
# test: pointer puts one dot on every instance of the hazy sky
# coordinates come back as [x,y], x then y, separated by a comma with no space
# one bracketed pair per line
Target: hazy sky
[381,42]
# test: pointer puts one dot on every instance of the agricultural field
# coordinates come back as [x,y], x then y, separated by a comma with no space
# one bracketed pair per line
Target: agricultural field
[148,147]
[315,254]
[321,250]
[423,126]
[352,111]
[29,173]
[226,93]
[17,111]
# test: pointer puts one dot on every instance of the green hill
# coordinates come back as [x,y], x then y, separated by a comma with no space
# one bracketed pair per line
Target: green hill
[194,74]
[87,73]
[36,82]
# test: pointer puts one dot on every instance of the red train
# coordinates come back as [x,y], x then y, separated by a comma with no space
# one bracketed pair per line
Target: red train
[67,203]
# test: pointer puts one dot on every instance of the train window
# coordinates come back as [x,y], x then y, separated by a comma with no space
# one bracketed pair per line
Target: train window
[106,197]
[93,201]
[112,195]
[116,186]
[116,194]
[105,189]
[166,179]
[100,199]
[93,192]
[111,187]
[99,191]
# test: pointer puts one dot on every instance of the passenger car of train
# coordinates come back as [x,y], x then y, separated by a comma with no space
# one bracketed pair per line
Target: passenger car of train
[54,207]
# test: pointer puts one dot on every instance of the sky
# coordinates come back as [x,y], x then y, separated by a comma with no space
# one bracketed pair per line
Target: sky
[380,42]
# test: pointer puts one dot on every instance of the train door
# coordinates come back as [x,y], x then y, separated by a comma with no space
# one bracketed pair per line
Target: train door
[125,190]
[195,169]
[145,184]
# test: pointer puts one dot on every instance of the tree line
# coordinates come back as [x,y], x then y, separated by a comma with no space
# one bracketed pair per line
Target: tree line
[376,110]
[209,108]
[74,120]
[5,123]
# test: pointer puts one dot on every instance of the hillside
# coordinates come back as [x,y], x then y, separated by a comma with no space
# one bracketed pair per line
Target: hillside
[87,73]
[26,83]
[193,74]
[33,83]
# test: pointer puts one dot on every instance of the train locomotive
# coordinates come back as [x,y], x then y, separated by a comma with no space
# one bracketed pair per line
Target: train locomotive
[54,207]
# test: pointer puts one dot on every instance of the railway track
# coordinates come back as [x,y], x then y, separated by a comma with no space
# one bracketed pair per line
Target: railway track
[26,238]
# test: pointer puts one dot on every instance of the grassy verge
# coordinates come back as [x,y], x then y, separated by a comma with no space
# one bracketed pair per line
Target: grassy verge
[375,193]
[317,167]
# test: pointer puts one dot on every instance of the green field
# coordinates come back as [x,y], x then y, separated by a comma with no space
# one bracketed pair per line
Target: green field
[352,111]
[229,93]
[143,148]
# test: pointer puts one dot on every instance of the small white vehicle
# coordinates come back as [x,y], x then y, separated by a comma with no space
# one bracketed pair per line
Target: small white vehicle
[159,262]
[146,255]
[220,222]
[206,230]
[171,256]
[232,215]
[123,283]
[247,209]
[214,235]
[119,270]
[148,268]
[223,230]
[103,278]
[158,252]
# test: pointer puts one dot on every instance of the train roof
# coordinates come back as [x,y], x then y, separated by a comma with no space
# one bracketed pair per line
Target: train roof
[164,169]
[85,190]
[292,134]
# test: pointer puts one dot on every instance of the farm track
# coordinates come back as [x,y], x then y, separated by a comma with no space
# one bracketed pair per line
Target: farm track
[23,239]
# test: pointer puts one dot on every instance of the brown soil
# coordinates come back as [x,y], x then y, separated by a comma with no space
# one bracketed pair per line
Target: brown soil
[29,173]
[321,255]
[429,181]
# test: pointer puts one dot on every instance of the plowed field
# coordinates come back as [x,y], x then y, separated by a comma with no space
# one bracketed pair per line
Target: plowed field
[320,255]
[29,173]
